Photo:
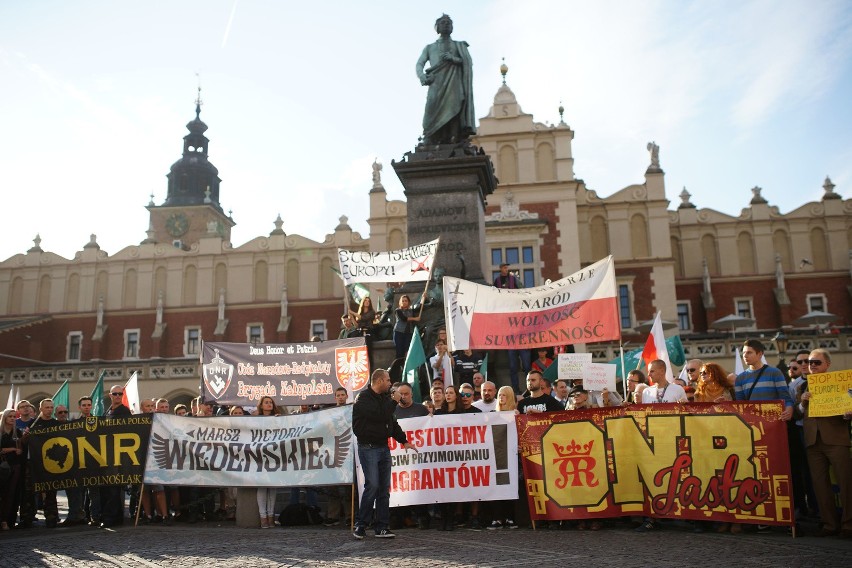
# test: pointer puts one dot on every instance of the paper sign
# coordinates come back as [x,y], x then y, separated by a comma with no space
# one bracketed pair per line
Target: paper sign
[830,393]
[599,376]
[572,365]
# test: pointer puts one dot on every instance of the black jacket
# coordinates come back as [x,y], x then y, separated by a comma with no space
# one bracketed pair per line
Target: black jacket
[372,418]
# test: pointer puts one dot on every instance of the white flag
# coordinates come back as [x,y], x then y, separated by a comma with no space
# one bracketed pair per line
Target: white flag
[412,264]
[130,398]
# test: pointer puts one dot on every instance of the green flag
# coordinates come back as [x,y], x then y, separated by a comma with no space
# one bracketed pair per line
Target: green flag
[61,397]
[357,291]
[552,371]
[415,357]
[484,367]
[98,402]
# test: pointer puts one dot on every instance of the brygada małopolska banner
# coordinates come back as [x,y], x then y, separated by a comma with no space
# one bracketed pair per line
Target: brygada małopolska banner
[291,373]
[581,308]
[412,264]
[89,452]
[723,462]
[459,458]
[252,451]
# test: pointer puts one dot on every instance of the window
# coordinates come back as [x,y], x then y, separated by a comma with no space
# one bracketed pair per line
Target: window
[131,344]
[191,341]
[521,262]
[75,344]
[254,333]
[816,302]
[684,321]
[318,328]
[743,307]
[624,311]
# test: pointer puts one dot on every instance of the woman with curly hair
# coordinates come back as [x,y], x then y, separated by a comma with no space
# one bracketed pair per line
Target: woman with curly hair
[266,495]
[712,384]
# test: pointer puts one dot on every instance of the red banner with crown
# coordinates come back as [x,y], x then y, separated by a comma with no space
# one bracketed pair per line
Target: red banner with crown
[723,462]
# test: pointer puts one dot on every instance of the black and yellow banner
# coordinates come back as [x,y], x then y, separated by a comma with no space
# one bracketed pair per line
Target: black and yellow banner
[89,452]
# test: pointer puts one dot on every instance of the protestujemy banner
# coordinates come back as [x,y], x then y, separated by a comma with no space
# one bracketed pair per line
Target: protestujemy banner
[291,373]
[459,458]
[581,308]
[724,462]
[252,451]
[412,264]
[89,452]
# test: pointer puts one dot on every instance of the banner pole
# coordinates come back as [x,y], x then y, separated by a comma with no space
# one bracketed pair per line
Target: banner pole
[429,278]
[623,369]
[139,505]
[352,507]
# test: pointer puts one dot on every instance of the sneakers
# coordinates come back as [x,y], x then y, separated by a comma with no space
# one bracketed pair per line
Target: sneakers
[475,525]
[495,525]
[384,533]
[648,526]
[360,533]
[510,524]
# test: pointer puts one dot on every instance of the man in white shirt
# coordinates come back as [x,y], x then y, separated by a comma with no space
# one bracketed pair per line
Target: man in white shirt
[662,391]
[488,402]
[442,363]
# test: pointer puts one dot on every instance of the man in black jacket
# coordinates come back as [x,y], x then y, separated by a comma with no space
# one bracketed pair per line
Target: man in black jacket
[373,422]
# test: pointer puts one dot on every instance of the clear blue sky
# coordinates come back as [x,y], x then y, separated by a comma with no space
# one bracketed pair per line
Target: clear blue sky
[301,98]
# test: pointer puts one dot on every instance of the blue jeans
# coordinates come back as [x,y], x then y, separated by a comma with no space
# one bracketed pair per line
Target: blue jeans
[401,341]
[376,465]
[311,496]
[513,354]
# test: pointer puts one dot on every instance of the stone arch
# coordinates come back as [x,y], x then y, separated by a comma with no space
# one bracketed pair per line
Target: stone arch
[190,285]
[781,245]
[160,278]
[72,293]
[544,162]
[293,288]
[261,281]
[128,290]
[819,248]
[508,164]
[677,254]
[16,295]
[745,253]
[101,286]
[43,301]
[599,237]
[396,239]
[639,246]
[326,278]
[220,279]
[710,252]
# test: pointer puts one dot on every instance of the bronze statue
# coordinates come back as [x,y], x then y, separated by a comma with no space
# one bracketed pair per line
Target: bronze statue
[449,116]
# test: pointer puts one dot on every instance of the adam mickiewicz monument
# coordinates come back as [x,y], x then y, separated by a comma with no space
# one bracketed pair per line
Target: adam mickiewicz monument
[449,115]
[446,178]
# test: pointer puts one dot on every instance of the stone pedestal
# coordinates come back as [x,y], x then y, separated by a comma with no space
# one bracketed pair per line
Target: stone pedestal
[248,515]
[446,188]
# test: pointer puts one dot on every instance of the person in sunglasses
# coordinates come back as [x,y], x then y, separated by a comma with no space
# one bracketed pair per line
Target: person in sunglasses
[827,445]
[466,396]
[112,502]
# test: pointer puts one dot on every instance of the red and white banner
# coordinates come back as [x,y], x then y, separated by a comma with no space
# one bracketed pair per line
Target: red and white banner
[580,308]
[655,348]
[459,458]
[412,264]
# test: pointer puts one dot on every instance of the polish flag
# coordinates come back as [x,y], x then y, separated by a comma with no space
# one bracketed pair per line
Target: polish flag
[655,348]
[130,398]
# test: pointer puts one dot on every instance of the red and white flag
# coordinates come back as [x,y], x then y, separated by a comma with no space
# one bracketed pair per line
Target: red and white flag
[655,348]
[130,398]
[581,308]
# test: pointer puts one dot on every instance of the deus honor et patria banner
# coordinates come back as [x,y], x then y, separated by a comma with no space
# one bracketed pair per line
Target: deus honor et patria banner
[290,373]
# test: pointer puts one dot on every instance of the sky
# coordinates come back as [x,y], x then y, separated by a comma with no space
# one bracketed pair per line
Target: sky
[300,99]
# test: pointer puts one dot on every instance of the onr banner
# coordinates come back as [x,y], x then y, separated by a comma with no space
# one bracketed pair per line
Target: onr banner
[89,452]
[291,373]
[252,451]
[723,462]
[410,264]
[459,458]
[581,308]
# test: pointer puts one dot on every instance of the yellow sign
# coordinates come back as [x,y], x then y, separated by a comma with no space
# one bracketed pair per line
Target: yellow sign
[831,393]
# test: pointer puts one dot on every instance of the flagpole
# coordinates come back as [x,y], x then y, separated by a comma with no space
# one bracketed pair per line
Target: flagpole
[623,369]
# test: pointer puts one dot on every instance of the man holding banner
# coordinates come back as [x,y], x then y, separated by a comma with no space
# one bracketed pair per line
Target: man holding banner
[373,422]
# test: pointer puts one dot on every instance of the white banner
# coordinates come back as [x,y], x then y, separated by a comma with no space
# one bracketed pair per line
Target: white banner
[460,457]
[571,365]
[581,308]
[412,264]
[599,376]
[252,451]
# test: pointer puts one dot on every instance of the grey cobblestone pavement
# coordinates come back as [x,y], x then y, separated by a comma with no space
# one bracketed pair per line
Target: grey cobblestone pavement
[223,544]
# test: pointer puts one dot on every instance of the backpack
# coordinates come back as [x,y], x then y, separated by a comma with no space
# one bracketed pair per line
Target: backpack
[299,514]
